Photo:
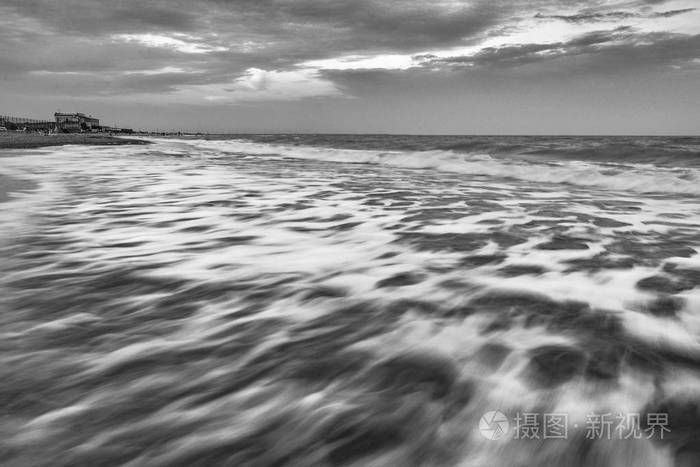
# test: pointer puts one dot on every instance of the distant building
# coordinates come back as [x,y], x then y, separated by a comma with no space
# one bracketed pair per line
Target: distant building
[25,124]
[75,122]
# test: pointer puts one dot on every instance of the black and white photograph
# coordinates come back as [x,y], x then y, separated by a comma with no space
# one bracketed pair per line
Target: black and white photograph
[318,233]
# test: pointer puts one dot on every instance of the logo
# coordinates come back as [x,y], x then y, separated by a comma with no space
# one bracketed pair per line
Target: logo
[493,425]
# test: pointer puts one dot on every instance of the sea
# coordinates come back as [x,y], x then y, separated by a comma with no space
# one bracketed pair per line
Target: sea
[364,300]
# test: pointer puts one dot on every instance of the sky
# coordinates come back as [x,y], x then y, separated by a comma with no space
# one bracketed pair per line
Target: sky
[357,66]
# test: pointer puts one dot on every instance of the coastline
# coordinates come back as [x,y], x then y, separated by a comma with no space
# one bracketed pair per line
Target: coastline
[12,140]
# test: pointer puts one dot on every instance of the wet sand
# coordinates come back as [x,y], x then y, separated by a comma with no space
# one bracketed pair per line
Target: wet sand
[12,140]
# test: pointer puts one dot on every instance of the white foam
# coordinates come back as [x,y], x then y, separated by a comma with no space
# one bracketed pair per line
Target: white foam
[640,178]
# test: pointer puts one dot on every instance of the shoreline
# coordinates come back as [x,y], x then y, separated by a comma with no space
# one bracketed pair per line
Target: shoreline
[12,140]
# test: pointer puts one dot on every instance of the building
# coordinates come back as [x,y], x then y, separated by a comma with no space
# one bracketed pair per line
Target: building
[28,124]
[75,122]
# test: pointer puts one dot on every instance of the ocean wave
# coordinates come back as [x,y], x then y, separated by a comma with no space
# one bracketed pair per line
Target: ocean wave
[641,178]
[227,303]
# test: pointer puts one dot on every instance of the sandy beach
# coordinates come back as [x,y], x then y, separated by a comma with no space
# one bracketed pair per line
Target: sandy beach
[12,140]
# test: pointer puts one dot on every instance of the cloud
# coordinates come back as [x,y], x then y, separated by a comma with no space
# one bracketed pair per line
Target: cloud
[360,25]
[262,85]
[619,49]
[613,16]
[263,50]
[368,25]
[99,17]
[180,42]
[222,39]
[670,13]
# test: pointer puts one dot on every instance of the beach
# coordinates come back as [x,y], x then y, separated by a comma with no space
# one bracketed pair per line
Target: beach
[352,300]
[15,140]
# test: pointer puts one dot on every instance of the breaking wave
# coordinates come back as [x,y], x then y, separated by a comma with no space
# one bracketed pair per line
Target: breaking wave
[635,177]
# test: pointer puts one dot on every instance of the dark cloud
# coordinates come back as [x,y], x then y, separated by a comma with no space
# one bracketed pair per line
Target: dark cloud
[89,51]
[618,49]
[84,35]
[359,25]
[590,17]
[364,25]
[79,35]
[668,14]
[100,17]
[613,16]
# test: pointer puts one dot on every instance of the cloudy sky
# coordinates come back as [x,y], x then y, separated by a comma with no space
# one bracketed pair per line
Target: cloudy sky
[396,66]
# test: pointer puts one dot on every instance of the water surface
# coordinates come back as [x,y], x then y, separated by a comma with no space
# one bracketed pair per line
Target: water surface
[332,300]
